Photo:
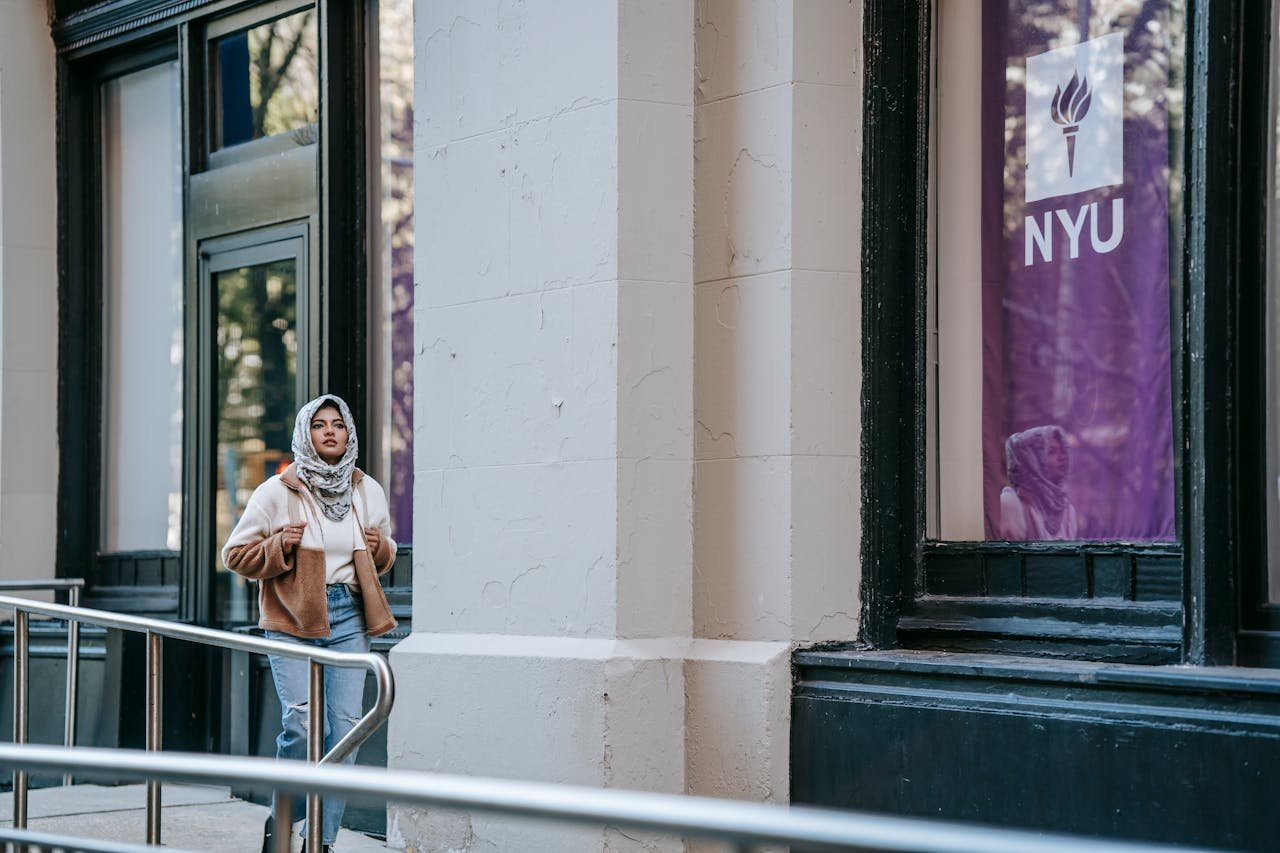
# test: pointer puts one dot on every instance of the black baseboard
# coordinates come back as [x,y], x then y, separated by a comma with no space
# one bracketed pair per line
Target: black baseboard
[1166,754]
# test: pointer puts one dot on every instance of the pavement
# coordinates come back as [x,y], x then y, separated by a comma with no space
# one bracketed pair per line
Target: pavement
[194,817]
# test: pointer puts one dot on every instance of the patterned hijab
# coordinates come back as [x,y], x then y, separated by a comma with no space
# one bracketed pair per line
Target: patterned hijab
[1025,454]
[330,484]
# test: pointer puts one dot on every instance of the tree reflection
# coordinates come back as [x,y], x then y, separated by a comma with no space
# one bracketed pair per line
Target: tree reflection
[269,80]
[257,360]
[396,92]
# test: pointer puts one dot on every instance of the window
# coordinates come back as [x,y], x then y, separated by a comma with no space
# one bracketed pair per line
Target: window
[142,311]
[1024,480]
[214,192]
[266,80]
[1050,409]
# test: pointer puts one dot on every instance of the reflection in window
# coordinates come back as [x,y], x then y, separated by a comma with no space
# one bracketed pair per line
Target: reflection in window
[1051,385]
[142,308]
[392,332]
[257,362]
[268,80]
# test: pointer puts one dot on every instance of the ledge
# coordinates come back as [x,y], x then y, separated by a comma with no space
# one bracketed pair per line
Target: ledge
[1177,678]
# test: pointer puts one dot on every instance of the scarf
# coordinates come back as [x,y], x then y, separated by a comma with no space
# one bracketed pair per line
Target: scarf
[1025,456]
[330,484]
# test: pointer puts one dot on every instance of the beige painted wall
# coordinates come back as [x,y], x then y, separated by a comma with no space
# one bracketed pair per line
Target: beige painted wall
[553,440]
[777,384]
[28,293]
[777,379]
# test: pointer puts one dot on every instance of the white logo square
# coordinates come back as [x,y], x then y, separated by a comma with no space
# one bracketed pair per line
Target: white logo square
[1075,118]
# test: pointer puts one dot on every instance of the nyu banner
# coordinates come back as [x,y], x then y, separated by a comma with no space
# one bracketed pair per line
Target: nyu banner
[1077,412]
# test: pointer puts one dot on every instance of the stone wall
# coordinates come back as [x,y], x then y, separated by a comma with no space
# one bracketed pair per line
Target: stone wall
[28,293]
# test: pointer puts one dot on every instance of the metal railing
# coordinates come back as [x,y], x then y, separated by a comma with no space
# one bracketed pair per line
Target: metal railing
[73,586]
[740,825]
[155,630]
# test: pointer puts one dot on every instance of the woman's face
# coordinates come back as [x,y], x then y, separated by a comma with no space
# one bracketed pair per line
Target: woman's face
[329,434]
[1055,458]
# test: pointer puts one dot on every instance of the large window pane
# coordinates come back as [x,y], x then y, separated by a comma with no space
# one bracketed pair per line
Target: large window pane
[257,368]
[391,331]
[267,79]
[142,340]
[1055,218]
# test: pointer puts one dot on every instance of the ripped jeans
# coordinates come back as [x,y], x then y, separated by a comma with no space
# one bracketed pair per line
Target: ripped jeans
[343,694]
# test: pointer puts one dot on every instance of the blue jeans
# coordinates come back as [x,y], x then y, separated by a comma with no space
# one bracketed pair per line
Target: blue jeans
[343,696]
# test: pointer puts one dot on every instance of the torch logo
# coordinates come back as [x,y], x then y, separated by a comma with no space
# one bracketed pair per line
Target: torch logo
[1069,90]
[1069,109]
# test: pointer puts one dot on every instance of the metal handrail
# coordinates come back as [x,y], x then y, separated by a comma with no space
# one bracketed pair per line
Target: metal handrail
[742,824]
[73,586]
[155,630]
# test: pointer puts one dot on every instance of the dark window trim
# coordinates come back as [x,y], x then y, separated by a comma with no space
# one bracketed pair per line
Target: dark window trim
[80,295]
[1210,472]
[1197,624]
[894,264]
[262,13]
[344,203]
[121,23]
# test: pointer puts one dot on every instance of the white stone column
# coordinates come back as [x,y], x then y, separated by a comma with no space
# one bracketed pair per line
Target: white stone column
[578,615]
[777,386]
[553,426]
[28,293]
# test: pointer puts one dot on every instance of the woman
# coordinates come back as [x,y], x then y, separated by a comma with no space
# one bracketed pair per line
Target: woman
[1037,506]
[316,537]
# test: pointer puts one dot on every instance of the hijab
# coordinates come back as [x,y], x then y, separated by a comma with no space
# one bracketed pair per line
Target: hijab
[330,484]
[1025,455]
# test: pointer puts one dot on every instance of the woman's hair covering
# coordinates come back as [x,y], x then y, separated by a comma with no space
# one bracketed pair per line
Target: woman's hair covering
[331,484]
[1024,454]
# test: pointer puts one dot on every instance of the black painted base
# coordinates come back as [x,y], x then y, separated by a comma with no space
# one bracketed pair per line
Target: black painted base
[1169,754]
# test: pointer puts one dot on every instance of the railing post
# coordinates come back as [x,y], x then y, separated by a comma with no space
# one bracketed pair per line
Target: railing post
[283,838]
[21,651]
[155,689]
[315,749]
[73,675]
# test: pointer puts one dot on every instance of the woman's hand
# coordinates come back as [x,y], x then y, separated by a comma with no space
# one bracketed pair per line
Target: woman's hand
[291,537]
[372,539]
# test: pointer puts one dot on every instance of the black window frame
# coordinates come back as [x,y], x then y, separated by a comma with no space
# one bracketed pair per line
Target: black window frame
[108,40]
[919,593]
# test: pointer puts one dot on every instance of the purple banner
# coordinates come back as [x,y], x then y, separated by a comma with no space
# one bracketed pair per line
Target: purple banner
[1077,414]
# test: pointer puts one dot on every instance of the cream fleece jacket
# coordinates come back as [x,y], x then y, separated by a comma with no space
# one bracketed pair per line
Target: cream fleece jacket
[291,590]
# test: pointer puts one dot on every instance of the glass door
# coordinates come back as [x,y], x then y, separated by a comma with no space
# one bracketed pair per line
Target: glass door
[257,286]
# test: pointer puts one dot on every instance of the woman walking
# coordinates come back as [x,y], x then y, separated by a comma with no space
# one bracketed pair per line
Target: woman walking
[316,537]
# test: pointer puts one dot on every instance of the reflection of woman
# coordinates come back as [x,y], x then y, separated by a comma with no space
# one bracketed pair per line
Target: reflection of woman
[317,536]
[1036,506]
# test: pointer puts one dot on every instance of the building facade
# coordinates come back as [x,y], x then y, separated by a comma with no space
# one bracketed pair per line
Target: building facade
[869,404]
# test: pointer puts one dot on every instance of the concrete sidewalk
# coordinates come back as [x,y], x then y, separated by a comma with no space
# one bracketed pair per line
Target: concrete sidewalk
[195,817]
